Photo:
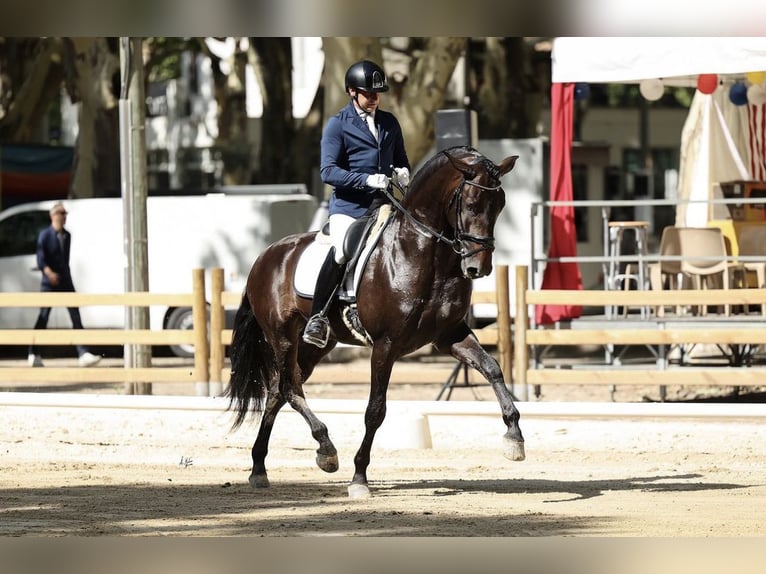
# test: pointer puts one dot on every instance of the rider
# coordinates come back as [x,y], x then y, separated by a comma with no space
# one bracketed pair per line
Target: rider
[360,146]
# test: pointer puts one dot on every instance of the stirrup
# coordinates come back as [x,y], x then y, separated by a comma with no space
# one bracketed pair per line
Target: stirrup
[317,331]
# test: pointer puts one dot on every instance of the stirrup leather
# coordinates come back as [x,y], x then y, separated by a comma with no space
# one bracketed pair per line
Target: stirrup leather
[317,331]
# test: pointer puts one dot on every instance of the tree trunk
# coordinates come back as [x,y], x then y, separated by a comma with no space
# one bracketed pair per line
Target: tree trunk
[232,138]
[424,93]
[97,165]
[41,84]
[505,89]
[273,63]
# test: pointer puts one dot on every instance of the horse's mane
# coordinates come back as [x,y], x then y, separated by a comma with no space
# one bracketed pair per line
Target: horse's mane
[466,153]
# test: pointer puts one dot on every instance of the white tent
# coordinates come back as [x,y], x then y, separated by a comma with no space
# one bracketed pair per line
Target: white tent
[605,60]
[720,141]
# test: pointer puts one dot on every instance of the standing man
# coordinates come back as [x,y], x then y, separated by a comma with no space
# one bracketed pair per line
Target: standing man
[53,246]
[360,146]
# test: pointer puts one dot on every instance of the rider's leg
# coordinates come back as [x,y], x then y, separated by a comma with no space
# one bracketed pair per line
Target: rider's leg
[317,330]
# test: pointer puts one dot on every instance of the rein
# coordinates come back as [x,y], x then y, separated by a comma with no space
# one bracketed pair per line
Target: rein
[485,243]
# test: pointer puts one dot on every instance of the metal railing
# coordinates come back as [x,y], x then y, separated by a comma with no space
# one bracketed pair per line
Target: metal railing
[661,331]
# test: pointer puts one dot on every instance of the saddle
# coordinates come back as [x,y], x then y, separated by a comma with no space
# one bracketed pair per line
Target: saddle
[360,240]
[354,242]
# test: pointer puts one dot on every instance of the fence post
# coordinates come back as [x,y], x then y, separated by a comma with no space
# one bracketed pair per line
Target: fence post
[199,314]
[216,326]
[504,341]
[521,350]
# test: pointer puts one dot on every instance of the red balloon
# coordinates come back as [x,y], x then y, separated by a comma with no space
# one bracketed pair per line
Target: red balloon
[707,83]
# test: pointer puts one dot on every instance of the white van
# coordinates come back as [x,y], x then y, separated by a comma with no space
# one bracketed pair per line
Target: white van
[184,232]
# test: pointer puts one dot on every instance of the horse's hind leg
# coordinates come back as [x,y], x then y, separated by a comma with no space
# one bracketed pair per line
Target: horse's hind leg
[258,477]
[292,388]
[464,346]
[327,455]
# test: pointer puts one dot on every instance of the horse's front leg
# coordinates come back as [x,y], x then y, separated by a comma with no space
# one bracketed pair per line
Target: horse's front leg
[381,364]
[462,344]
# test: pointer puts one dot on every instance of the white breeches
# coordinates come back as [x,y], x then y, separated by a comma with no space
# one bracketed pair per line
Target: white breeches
[339,224]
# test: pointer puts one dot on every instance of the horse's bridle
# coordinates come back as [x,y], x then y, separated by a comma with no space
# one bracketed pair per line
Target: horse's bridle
[485,242]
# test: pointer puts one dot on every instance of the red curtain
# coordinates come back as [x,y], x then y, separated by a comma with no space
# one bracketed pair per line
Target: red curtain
[563,238]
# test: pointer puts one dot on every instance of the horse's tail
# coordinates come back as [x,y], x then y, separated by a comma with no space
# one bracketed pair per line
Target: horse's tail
[252,364]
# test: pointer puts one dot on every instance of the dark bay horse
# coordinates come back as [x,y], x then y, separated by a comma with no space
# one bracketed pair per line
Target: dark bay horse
[415,290]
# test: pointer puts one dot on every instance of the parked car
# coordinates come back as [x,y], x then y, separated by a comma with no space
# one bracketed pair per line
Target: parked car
[183,233]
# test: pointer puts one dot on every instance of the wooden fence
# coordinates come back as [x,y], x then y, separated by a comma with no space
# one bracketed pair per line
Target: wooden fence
[210,341]
[496,335]
[198,337]
[661,331]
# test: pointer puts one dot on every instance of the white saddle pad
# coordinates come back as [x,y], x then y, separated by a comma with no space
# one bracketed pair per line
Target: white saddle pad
[309,264]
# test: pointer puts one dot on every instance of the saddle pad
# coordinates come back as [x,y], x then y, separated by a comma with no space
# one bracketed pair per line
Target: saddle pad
[309,264]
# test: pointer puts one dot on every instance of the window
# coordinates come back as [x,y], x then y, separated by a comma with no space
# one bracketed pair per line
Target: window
[651,183]
[579,193]
[18,233]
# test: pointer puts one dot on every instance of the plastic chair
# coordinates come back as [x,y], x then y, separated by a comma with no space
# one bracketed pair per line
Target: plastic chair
[667,271]
[752,242]
[704,258]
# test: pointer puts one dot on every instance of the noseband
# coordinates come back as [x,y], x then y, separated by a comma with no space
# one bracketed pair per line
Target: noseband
[485,242]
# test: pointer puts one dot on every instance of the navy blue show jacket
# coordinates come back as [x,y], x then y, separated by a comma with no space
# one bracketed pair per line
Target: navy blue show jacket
[350,153]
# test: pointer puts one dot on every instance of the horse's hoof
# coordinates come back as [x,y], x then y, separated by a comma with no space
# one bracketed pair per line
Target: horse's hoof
[327,463]
[258,481]
[514,449]
[358,491]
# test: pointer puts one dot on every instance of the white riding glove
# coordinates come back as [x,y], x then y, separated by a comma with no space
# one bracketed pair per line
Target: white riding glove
[377,181]
[402,176]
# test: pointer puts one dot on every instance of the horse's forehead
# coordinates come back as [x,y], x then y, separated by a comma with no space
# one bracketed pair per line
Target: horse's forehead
[487,173]
[492,170]
[486,166]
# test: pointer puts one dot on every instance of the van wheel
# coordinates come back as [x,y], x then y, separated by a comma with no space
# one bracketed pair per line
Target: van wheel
[181,318]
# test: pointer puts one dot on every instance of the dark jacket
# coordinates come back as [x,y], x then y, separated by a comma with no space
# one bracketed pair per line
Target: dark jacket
[350,153]
[50,253]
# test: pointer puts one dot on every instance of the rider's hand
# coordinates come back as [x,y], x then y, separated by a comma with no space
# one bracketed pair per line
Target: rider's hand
[53,277]
[402,176]
[377,181]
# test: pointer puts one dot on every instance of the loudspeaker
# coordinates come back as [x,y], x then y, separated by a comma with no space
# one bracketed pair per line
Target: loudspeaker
[455,128]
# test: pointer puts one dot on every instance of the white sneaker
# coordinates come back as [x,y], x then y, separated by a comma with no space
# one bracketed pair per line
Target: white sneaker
[35,360]
[88,360]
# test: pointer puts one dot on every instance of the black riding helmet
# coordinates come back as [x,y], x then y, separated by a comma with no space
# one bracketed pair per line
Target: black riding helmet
[366,76]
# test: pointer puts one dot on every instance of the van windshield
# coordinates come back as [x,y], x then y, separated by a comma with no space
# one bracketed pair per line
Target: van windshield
[18,233]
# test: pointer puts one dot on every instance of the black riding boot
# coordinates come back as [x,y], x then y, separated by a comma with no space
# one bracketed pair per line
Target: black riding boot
[317,331]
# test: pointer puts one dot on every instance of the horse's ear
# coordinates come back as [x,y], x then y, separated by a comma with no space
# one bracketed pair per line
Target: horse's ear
[459,164]
[507,164]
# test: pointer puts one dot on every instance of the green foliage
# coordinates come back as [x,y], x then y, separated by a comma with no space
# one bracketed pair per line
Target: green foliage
[165,57]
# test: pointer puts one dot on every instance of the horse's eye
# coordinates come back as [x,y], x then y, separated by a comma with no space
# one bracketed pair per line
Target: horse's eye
[472,206]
